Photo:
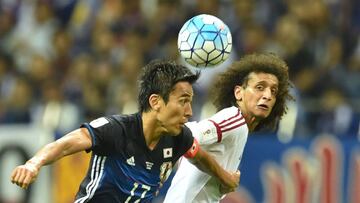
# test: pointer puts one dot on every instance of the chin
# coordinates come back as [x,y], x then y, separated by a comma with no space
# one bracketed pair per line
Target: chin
[262,115]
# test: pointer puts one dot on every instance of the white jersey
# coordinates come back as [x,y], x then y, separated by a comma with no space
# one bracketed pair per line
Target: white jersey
[224,136]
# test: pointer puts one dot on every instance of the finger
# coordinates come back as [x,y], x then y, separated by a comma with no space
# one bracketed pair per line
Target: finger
[13,175]
[17,176]
[22,177]
[27,180]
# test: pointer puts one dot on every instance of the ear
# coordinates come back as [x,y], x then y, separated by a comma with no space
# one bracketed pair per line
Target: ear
[155,102]
[238,92]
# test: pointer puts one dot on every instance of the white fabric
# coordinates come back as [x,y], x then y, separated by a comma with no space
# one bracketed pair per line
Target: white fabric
[192,185]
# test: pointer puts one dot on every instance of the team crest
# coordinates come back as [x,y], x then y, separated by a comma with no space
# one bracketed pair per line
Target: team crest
[165,171]
[167,152]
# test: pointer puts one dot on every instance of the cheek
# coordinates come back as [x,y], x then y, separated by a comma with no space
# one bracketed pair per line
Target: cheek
[253,99]
[273,104]
[173,111]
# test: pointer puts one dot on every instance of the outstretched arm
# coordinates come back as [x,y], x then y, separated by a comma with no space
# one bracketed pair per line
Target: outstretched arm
[206,163]
[75,141]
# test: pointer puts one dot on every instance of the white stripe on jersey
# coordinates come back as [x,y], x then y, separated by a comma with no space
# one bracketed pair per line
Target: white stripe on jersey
[97,170]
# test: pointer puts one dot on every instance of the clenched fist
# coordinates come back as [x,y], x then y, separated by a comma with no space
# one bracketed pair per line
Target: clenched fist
[235,178]
[24,175]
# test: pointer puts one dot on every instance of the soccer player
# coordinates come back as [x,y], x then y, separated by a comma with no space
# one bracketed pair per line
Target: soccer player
[251,95]
[132,155]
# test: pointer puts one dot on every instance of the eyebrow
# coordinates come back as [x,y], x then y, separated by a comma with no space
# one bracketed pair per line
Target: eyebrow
[263,81]
[187,94]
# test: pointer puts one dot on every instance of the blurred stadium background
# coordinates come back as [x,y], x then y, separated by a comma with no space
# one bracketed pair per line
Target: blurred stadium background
[64,62]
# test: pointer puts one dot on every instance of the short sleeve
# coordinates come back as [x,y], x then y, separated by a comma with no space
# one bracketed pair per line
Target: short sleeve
[206,132]
[191,153]
[104,134]
[183,142]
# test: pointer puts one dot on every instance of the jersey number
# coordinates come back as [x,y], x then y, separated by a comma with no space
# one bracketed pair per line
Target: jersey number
[136,185]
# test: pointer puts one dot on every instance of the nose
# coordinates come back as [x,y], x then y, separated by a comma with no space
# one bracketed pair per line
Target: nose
[188,111]
[267,94]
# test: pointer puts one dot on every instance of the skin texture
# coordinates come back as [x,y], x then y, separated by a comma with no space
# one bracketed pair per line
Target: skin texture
[257,98]
[163,119]
[75,141]
[167,118]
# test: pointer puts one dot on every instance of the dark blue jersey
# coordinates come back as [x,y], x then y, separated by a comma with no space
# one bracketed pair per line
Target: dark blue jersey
[122,167]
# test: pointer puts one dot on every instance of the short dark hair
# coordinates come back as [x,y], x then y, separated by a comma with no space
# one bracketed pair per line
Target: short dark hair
[238,74]
[160,77]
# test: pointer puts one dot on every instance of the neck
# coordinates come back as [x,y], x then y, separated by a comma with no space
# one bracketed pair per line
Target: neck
[152,132]
[251,121]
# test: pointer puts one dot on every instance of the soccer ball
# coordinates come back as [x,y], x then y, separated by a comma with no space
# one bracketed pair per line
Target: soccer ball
[204,41]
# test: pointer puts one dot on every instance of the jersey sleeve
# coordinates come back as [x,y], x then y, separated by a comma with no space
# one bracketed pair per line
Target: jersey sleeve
[184,142]
[205,132]
[104,135]
[191,153]
[218,127]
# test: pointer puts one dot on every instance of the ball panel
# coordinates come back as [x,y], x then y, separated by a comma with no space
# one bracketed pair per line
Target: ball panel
[209,28]
[228,49]
[208,47]
[191,61]
[185,46]
[219,44]
[202,54]
[198,22]
[199,42]
[192,27]
[184,35]
[225,56]
[229,38]
[209,35]
[214,55]
[208,19]
[216,60]
[197,57]
[194,41]
[186,54]
[204,41]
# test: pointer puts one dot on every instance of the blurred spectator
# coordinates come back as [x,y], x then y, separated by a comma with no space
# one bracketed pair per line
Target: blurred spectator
[17,106]
[336,115]
[33,32]
[82,57]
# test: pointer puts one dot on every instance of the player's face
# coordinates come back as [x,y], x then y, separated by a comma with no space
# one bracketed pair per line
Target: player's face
[259,96]
[177,111]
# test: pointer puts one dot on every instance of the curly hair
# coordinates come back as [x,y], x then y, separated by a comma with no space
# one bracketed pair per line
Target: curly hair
[238,74]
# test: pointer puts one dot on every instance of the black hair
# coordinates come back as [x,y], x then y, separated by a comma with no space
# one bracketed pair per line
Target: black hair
[160,77]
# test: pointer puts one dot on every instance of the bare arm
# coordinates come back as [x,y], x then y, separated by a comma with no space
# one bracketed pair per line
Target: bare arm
[75,141]
[206,163]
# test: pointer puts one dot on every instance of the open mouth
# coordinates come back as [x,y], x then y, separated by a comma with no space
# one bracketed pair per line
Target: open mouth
[263,106]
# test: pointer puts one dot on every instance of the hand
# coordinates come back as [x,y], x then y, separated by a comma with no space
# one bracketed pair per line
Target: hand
[232,184]
[24,175]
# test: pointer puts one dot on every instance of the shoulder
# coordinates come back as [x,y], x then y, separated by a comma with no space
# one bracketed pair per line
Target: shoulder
[125,118]
[128,123]
[229,121]
[227,113]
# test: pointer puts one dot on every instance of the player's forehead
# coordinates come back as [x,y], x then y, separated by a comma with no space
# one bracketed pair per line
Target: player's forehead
[262,77]
[182,89]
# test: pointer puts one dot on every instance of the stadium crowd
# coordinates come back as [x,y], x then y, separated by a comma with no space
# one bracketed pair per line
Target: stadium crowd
[63,62]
